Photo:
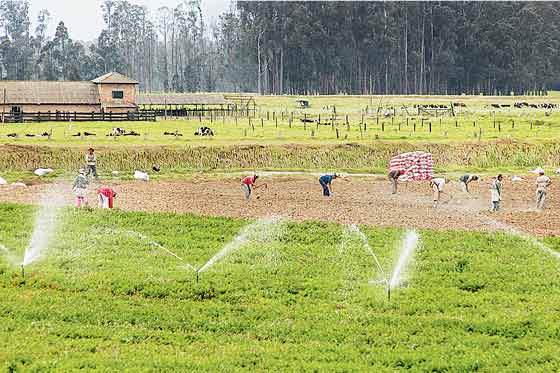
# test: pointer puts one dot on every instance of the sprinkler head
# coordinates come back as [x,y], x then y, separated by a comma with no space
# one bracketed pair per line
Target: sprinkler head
[22,271]
[388,294]
[197,276]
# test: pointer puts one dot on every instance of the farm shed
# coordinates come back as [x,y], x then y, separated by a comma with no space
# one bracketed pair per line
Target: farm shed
[110,93]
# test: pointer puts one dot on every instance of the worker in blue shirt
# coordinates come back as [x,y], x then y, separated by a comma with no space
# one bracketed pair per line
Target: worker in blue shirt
[326,183]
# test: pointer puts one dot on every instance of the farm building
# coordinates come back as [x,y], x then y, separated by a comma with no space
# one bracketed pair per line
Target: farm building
[110,93]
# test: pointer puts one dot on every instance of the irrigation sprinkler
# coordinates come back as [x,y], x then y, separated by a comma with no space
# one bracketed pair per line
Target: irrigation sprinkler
[23,271]
[388,292]
[197,272]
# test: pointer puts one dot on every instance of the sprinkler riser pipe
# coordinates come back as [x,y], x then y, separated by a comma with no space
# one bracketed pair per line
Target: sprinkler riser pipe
[22,271]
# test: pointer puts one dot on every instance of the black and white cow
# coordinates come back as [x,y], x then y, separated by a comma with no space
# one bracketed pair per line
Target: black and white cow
[204,131]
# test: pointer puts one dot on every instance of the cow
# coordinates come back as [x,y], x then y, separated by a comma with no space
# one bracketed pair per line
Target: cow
[131,133]
[459,104]
[497,106]
[204,131]
[117,131]
[306,120]
[12,134]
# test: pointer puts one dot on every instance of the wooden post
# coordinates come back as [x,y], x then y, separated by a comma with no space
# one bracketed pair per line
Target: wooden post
[337,134]
[430,124]
[456,123]
[499,126]
[414,126]
[382,126]
[276,121]
[512,124]
[262,122]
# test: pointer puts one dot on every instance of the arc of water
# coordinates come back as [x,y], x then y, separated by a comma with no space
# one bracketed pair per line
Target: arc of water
[261,226]
[409,244]
[356,230]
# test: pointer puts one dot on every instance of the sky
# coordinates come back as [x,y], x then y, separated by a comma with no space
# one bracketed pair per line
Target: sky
[84,20]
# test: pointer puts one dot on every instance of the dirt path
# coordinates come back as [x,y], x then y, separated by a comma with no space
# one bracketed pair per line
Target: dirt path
[355,201]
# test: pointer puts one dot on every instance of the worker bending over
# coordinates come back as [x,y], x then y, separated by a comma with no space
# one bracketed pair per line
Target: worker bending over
[466,180]
[437,185]
[106,197]
[394,178]
[248,184]
[326,183]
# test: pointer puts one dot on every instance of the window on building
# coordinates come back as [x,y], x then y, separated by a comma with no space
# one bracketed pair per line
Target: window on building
[118,94]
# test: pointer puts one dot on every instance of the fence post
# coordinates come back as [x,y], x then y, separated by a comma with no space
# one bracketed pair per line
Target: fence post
[382,126]
[430,124]
[337,134]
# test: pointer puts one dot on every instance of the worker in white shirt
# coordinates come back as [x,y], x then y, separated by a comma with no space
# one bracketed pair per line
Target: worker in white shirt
[542,183]
[437,185]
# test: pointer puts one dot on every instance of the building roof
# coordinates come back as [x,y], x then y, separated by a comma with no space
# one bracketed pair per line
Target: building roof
[180,99]
[114,78]
[49,92]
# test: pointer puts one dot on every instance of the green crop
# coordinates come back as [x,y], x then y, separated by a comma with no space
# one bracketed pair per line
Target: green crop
[102,299]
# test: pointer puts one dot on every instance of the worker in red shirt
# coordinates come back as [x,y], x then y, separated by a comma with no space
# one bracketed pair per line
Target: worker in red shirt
[106,197]
[248,184]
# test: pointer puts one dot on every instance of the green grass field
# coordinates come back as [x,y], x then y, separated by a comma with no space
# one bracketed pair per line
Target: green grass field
[301,300]
[278,121]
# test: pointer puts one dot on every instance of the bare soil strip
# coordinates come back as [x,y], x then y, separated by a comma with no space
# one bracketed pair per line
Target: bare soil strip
[354,200]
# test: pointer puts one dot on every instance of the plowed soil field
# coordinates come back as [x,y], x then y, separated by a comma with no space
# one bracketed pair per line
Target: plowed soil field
[355,200]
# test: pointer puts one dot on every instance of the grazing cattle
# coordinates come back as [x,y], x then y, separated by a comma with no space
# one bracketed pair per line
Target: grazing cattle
[12,134]
[204,131]
[459,104]
[118,131]
[29,135]
[45,134]
[131,133]
[497,106]
[89,134]
[305,120]
[534,106]
[505,105]
[518,105]
[156,168]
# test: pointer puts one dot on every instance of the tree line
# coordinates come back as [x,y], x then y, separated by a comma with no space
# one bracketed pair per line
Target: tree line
[300,47]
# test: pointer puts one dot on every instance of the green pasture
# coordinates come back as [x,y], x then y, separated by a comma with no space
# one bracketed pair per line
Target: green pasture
[104,299]
[271,128]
